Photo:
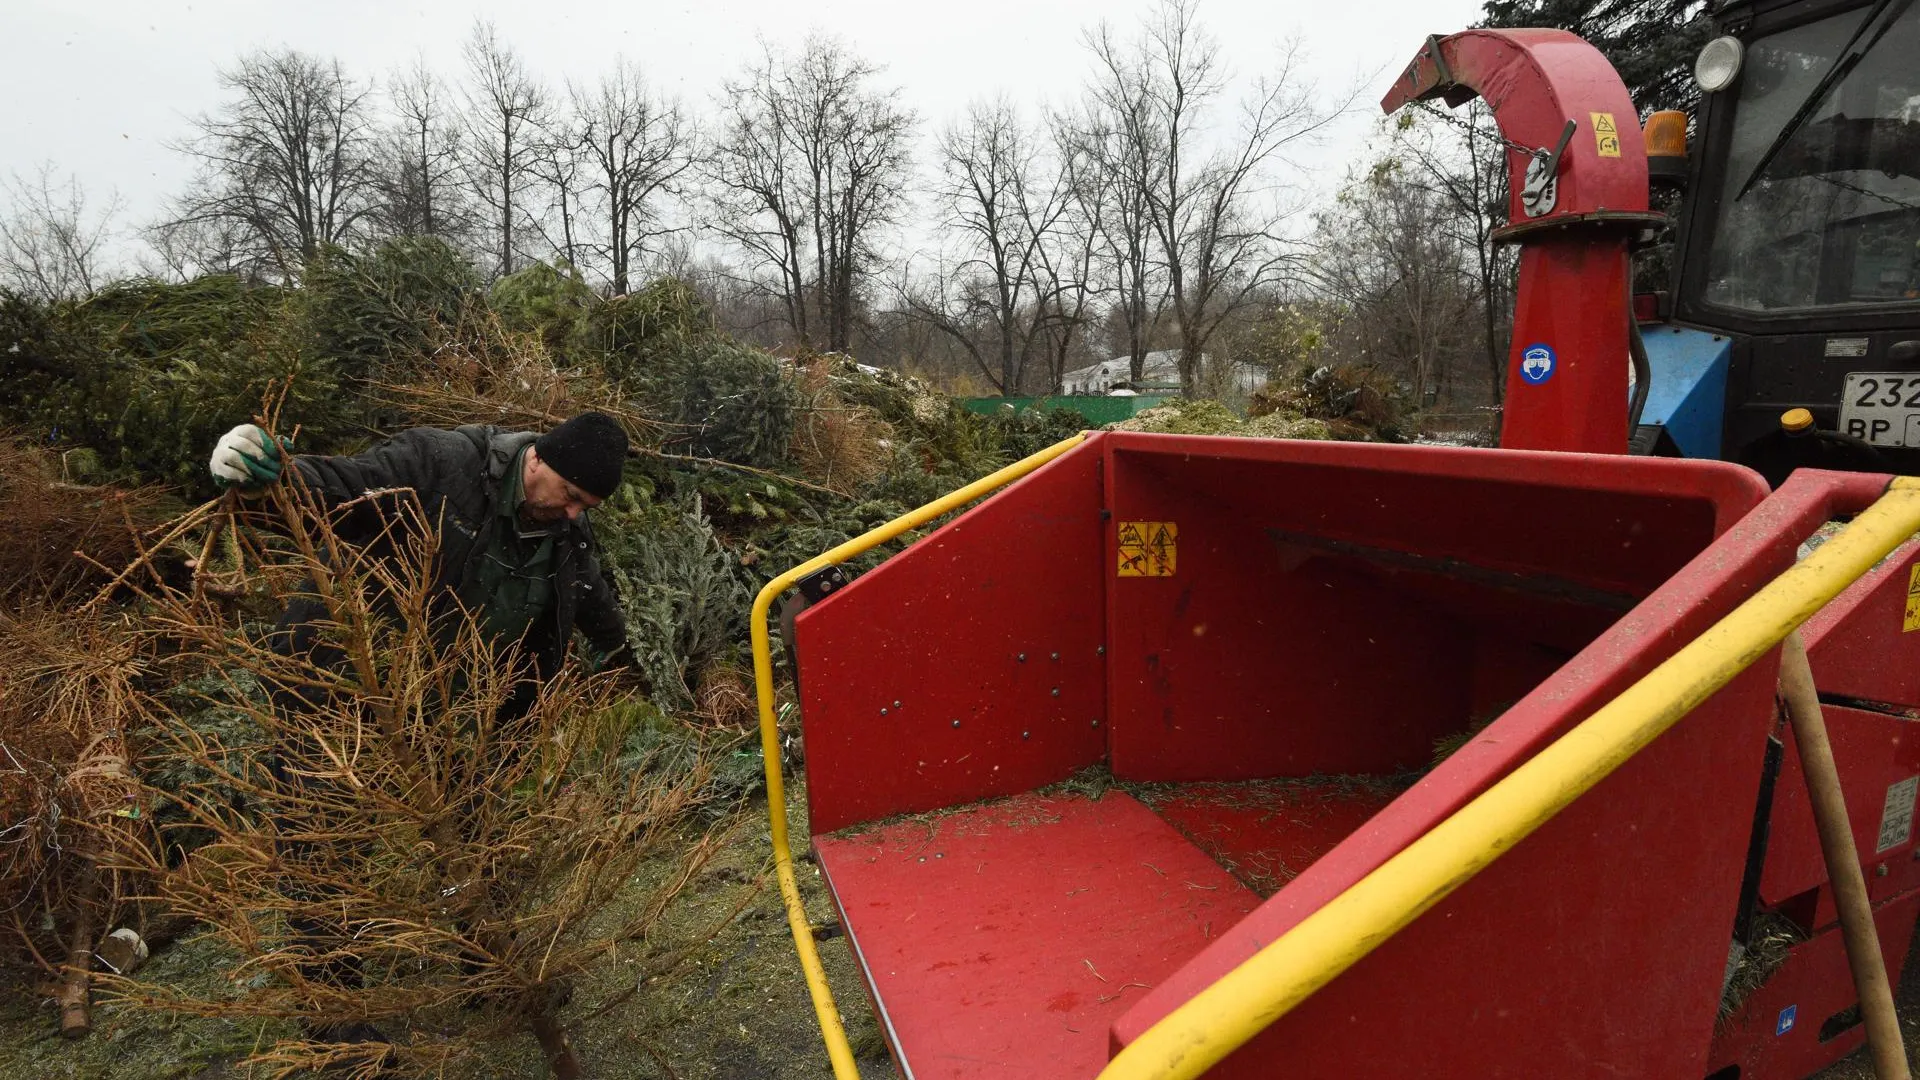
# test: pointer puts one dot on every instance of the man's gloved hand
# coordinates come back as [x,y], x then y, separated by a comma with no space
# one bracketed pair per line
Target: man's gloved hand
[596,660]
[246,458]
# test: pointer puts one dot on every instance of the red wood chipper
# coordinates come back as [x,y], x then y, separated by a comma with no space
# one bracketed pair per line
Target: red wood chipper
[1264,758]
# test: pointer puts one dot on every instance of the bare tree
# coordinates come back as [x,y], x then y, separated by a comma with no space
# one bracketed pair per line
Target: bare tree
[558,164]
[180,251]
[1213,220]
[1466,163]
[1112,195]
[288,161]
[758,200]
[634,148]
[1071,253]
[51,244]
[506,108]
[419,176]
[1390,253]
[857,173]
[809,166]
[1003,207]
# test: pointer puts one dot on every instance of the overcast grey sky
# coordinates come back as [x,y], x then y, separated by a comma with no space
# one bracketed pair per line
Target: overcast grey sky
[99,87]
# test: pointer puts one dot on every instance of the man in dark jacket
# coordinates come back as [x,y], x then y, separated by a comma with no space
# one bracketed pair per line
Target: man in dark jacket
[511,508]
[515,550]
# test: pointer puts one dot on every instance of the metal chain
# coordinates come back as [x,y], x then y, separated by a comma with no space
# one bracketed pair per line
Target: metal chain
[1858,190]
[1518,148]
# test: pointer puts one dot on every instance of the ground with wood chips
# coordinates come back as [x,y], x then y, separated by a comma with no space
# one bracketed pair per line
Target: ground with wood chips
[734,1007]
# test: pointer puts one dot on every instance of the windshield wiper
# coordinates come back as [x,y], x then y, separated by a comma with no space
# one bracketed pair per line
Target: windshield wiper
[1885,13]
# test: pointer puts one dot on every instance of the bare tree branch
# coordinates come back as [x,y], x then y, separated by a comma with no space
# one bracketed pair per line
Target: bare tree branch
[51,245]
[809,165]
[1003,202]
[419,172]
[1216,226]
[506,107]
[635,147]
[286,167]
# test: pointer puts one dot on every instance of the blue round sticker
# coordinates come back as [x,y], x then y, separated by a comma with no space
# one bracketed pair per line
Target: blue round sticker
[1537,363]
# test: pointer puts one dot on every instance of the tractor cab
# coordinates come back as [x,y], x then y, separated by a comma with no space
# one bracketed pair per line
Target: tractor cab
[1797,266]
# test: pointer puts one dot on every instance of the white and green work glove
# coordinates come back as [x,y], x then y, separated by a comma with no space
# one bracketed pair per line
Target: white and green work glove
[246,458]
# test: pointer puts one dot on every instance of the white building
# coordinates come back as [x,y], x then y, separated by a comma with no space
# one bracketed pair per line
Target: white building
[1161,369]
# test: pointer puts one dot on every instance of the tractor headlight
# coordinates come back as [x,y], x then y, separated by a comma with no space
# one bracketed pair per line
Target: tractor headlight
[1718,64]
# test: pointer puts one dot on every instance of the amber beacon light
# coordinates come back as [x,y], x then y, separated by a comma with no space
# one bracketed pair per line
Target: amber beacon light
[1666,139]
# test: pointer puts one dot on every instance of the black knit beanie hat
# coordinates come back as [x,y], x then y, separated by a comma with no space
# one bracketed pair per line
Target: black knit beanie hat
[588,450]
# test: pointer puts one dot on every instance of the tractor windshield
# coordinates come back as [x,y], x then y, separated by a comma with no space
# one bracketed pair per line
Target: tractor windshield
[1833,217]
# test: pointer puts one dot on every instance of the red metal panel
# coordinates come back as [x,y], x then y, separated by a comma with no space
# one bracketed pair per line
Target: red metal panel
[1859,645]
[1873,752]
[1406,495]
[969,665]
[1002,940]
[1596,947]
[1535,81]
[1337,608]
[1235,669]
[1815,984]
[1859,649]
[1266,832]
[1572,303]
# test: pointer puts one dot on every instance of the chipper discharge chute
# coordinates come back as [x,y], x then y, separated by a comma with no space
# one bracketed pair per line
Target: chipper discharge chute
[1080,752]
[1261,758]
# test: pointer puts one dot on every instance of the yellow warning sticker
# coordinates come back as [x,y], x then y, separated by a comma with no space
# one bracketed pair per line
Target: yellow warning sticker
[1148,548]
[1606,137]
[1912,620]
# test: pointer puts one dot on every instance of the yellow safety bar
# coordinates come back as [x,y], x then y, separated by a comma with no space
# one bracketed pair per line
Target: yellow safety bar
[1219,1019]
[830,1027]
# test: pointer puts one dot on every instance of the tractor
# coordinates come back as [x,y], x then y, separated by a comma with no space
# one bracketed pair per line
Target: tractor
[1796,282]
[1592,755]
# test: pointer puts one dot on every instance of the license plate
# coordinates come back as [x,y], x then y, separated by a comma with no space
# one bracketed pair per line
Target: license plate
[1882,407]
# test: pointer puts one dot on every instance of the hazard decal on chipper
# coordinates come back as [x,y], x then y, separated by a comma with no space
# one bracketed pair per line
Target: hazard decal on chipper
[1911,621]
[1148,548]
[1606,137]
[1537,363]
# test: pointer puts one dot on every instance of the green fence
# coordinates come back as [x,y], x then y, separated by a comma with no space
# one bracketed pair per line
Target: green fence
[1096,410]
